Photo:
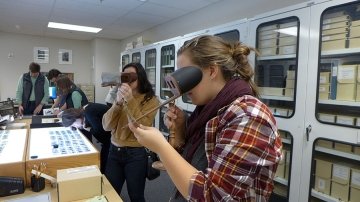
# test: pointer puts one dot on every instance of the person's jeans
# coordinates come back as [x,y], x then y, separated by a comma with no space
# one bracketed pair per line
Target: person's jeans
[127,164]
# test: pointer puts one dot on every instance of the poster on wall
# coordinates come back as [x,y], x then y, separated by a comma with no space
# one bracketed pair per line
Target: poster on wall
[65,57]
[41,54]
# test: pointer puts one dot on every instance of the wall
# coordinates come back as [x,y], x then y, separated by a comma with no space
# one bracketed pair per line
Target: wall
[220,13]
[21,46]
[106,59]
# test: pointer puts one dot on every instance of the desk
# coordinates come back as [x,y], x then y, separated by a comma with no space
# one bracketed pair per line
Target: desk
[108,191]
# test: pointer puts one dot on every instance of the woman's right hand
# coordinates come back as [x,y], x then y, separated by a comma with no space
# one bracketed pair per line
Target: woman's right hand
[174,117]
[21,110]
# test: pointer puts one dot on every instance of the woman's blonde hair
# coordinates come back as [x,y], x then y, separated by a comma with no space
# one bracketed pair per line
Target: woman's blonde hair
[208,50]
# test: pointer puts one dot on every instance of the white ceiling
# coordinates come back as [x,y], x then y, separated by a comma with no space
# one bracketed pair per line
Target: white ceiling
[119,19]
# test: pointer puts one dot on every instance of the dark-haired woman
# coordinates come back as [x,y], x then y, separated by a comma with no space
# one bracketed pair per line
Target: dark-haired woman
[74,96]
[127,159]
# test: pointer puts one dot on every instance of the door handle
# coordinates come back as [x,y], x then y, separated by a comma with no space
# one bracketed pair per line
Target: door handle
[308,130]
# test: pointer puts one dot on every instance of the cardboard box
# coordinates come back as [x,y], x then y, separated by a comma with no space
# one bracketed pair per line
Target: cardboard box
[346,120]
[324,143]
[268,27]
[354,31]
[280,171]
[267,43]
[290,74]
[267,51]
[358,94]
[355,178]
[271,91]
[323,168]
[334,37]
[288,41]
[79,183]
[342,147]
[322,185]
[333,45]
[290,83]
[341,173]
[281,111]
[336,19]
[355,23]
[289,24]
[324,77]
[287,50]
[289,92]
[346,91]
[336,25]
[340,30]
[287,164]
[324,91]
[327,117]
[357,150]
[354,194]
[347,73]
[12,152]
[354,42]
[267,32]
[339,191]
[274,35]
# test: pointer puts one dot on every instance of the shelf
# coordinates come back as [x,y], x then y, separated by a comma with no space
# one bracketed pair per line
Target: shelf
[152,67]
[281,181]
[338,102]
[273,97]
[337,153]
[277,57]
[322,196]
[286,141]
[341,52]
[167,66]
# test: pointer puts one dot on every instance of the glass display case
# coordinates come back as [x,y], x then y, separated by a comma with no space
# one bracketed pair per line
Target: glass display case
[276,64]
[125,59]
[150,66]
[136,57]
[167,67]
[338,92]
[230,36]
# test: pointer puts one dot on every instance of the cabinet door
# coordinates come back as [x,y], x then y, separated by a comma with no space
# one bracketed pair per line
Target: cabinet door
[333,104]
[280,73]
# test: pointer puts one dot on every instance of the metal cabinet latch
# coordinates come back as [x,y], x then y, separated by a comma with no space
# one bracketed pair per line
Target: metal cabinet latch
[308,130]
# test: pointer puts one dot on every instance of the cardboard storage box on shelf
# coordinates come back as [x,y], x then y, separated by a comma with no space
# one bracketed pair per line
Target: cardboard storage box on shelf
[289,92]
[340,30]
[357,150]
[324,91]
[354,31]
[59,148]
[267,51]
[355,185]
[287,41]
[274,35]
[324,78]
[290,74]
[325,143]
[346,120]
[322,185]
[287,164]
[267,43]
[355,23]
[336,25]
[271,91]
[345,91]
[12,152]
[268,32]
[346,82]
[354,194]
[333,45]
[357,93]
[79,183]
[342,147]
[268,27]
[340,191]
[336,19]
[327,117]
[354,42]
[334,37]
[289,24]
[323,168]
[287,50]
[290,83]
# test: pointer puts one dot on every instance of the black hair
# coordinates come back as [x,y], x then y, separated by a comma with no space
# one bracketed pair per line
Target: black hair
[144,84]
[34,67]
[53,73]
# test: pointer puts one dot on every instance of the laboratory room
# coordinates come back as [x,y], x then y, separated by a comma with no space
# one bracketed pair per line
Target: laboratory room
[192,100]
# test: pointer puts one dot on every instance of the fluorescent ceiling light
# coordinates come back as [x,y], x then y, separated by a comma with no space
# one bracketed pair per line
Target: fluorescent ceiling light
[74,27]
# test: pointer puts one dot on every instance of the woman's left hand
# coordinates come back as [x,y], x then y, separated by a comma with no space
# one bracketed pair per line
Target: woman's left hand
[149,137]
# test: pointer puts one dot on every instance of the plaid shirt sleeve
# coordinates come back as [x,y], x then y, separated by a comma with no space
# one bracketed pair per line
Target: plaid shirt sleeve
[243,149]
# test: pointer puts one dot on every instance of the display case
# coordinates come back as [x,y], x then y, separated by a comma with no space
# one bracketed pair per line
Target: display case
[136,57]
[59,148]
[12,152]
[150,66]
[276,66]
[167,67]
[125,59]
